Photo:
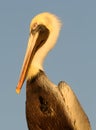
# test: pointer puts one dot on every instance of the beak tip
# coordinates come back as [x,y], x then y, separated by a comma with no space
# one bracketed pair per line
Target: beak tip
[18,90]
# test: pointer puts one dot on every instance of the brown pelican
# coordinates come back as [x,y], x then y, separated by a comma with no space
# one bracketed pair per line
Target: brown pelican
[47,107]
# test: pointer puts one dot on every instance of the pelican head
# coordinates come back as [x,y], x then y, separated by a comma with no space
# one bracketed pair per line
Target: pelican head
[44,31]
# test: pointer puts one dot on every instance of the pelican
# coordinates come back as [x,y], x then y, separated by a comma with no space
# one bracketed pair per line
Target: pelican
[44,31]
[51,108]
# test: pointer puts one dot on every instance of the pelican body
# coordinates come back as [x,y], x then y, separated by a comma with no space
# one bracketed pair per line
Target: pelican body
[48,107]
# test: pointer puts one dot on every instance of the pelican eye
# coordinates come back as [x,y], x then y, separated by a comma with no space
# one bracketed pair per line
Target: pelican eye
[34,26]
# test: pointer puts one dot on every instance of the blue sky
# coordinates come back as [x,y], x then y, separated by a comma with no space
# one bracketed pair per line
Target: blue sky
[73,59]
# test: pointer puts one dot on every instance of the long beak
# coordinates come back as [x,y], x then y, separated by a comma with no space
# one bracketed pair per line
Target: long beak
[28,58]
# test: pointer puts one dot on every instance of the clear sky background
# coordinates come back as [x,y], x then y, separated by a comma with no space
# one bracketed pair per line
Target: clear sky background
[73,59]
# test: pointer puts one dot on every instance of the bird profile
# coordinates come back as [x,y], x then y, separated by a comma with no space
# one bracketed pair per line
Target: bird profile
[48,107]
[44,31]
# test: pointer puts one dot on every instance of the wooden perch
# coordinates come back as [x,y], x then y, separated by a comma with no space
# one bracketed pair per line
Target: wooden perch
[49,107]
